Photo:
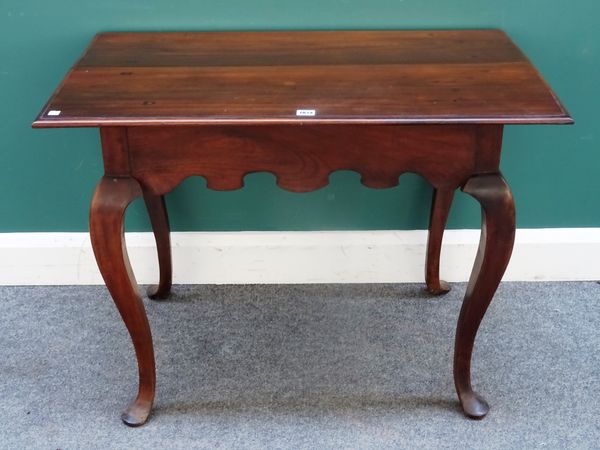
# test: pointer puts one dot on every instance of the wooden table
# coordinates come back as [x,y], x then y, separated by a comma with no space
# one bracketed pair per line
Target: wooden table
[301,105]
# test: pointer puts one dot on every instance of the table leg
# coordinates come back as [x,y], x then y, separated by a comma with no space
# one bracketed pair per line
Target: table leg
[112,196]
[440,207]
[495,248]
[157,210]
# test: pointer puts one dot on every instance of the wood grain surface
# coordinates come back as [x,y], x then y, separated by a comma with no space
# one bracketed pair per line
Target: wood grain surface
[195,78]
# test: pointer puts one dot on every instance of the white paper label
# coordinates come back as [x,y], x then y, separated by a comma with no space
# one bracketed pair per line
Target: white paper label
[306,112]
[54,112]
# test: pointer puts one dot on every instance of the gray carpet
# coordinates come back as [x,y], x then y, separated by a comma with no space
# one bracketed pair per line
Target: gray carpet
[301,366]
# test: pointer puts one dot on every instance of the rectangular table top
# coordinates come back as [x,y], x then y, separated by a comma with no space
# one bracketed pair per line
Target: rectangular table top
[157,78]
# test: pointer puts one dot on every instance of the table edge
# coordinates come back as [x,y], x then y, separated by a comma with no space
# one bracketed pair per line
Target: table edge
[127,122]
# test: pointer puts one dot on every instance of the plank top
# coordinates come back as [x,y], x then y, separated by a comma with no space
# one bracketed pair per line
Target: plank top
[462,76]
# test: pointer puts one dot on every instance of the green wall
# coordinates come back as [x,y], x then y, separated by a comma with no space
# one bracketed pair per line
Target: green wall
[47,176]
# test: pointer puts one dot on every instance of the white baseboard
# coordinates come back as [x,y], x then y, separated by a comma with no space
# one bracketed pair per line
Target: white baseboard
[299,257]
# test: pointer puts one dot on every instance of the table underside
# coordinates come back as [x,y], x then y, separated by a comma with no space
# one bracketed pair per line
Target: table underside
[301,158]
[149,162]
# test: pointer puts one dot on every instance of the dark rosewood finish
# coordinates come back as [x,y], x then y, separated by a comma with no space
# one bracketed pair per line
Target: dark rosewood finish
[495,248]
[107,213]
[475,76]
[157,210]
[302,158]
[222,105]
[440,208]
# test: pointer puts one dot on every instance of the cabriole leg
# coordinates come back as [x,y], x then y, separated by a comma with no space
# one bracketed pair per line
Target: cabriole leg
[495,248]
[112,196]
[157,210]
[440,208]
